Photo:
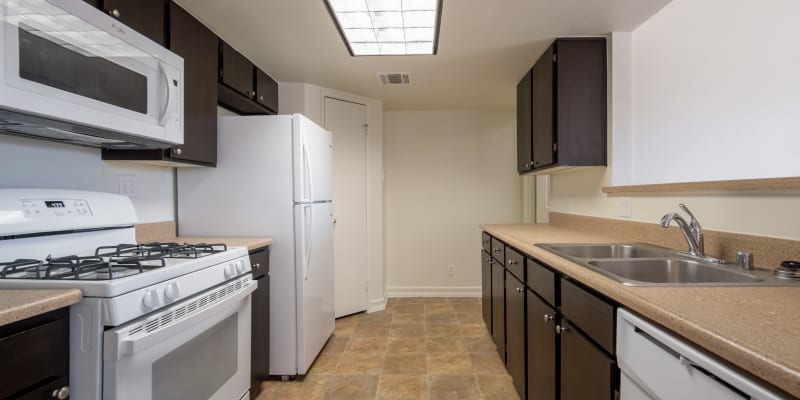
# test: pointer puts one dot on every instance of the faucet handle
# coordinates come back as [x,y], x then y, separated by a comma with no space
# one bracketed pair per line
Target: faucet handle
[694,222]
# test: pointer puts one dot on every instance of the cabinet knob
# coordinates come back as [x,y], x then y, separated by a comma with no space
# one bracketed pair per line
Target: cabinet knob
[520,290]
[548,318]
[496,250]
[114,13]
[178,151]
[512,262]
[61,394]
[534,163]
[252,94]
[261,98]
[256,265]
[561,329]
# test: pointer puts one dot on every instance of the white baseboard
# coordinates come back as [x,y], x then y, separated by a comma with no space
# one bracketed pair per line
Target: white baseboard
[377,305]
[433,291]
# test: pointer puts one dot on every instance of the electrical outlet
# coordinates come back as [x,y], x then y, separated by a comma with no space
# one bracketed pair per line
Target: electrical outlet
[127,185]
[625,207]
[451,270]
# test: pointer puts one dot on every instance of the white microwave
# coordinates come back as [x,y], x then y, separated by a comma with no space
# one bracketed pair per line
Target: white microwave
[71,73]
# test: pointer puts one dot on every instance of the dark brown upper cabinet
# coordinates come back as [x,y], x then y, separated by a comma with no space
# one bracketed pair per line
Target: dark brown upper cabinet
[562,108]
[198,46]
[243,88]
[147,17]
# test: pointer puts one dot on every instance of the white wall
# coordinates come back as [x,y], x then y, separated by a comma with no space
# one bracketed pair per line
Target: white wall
[42,164]
[308,99]
[715,92]
[446,172]
[679,114]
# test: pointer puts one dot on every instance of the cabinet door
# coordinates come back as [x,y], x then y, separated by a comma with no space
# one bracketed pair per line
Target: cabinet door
[586,371]
[198,46]
[515,333]
[543,112]
[266,90]
[145,16]
[237,71]
[486,289]
[259,359]
[542,344]
[524,110]
[499,308]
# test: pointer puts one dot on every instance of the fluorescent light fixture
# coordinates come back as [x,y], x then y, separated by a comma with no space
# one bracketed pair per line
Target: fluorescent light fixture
[388,27]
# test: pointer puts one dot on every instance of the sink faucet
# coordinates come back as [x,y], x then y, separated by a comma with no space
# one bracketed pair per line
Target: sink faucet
[692,231]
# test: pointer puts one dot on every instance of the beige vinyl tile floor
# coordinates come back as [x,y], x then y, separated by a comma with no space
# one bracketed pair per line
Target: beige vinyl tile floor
[417,349]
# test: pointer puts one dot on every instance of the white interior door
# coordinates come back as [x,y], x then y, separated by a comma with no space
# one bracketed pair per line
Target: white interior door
[348,123]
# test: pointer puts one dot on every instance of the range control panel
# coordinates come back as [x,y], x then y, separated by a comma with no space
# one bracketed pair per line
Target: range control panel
[48,208]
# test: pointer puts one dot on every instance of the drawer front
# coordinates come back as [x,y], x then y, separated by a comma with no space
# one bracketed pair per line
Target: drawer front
[34,357]
[498,251]
[541,280]
[515,262]
[486,242]
[591,314]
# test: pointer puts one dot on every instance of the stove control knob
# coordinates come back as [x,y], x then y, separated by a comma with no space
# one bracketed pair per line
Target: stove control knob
[172,292]
[230,271]
[150,299]
[240,266]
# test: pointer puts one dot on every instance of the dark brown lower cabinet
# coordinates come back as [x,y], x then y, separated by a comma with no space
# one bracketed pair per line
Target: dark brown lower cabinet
[587,373]
[259,333]
[35,356]
[542,348]
[486,289]
[515,332]
[499,308]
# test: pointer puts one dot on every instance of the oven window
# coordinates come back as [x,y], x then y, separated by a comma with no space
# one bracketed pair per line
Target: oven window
[90,75]
[197,369]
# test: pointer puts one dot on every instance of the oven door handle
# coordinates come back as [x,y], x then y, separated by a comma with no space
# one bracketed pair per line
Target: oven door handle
[118,343]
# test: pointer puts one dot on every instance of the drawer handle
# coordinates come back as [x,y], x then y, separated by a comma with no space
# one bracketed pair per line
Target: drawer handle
[496,250]
[61,394]
[548,318]
[561,329]
[512,262]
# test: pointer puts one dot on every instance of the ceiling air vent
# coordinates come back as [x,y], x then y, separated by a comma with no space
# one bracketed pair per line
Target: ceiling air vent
[395,79]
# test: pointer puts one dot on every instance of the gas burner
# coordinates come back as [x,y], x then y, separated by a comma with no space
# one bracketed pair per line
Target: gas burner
[157,249]
[80,268]
[788,270]
[19,267]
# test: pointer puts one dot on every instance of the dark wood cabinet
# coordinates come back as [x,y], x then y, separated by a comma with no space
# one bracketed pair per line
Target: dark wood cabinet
[542,348]
[198,46]
[243,88]
[259,335]
[586,372]
[486,289]
[555,336]
[515,333]
[147,17]
[35,354]
[562,108]
[499,308]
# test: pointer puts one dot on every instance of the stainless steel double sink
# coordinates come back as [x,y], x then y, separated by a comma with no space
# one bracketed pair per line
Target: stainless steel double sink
[639,264]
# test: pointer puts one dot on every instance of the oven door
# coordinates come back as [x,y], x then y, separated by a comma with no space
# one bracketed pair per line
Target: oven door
[195,349]
[68,61]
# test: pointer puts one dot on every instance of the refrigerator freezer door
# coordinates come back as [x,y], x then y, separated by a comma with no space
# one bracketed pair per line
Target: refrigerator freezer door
[314,261]
[313,157]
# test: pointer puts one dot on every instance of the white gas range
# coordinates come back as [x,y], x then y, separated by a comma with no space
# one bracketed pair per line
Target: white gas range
[158,320]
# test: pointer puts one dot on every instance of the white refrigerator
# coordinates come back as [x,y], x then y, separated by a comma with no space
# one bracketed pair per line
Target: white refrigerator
[273,179]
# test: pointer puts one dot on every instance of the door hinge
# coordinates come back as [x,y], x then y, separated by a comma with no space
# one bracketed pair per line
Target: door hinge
[555,147]
[366,129]
[555,57]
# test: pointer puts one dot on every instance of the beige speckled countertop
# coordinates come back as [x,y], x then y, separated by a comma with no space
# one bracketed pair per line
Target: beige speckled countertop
[755,328]
[251,243]
[16,305]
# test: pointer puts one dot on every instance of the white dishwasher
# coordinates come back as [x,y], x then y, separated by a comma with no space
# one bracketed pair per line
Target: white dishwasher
[657,365]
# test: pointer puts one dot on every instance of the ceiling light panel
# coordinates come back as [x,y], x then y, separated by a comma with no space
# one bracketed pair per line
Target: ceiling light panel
[388,27]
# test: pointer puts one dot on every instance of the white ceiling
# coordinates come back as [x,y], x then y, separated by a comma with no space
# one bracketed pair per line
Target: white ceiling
[485,46]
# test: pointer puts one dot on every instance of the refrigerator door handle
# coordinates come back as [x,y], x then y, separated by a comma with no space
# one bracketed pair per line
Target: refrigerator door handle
[307,227]
[308,183]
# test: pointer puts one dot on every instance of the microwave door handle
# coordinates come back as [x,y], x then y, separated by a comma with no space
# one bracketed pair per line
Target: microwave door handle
[117,348]
[163,115]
